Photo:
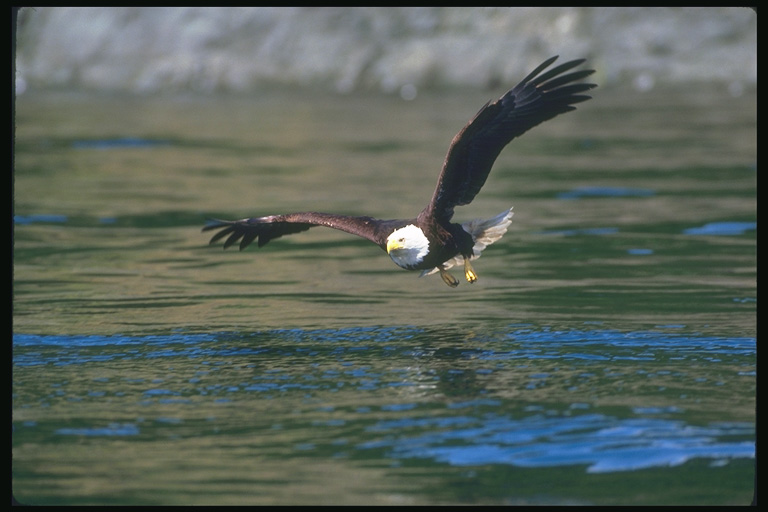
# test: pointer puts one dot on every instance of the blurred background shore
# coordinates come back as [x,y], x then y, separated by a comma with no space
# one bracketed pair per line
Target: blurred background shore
[394,50]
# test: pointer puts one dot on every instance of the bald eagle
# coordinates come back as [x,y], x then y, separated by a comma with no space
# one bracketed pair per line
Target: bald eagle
[430,242]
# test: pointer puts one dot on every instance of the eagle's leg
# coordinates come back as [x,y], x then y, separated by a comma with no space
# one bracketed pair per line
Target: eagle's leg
[469,272]
[448,278]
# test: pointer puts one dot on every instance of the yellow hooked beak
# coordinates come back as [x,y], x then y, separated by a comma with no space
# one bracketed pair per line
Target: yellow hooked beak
[394,245]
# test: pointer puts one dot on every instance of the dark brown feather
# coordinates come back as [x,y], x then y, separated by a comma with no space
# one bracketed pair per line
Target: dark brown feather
[537,98]
[264,229]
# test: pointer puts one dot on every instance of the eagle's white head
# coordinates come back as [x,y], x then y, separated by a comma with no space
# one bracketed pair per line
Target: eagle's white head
[407,246]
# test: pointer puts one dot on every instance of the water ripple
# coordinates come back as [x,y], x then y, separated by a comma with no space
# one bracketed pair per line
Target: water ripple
[603,443]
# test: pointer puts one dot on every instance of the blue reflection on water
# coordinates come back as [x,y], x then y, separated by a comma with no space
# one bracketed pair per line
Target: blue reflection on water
[39,217]
[529,343]
[118,143]
[477,430]
[603,443]
[113,429]
[722,228]
[579,192]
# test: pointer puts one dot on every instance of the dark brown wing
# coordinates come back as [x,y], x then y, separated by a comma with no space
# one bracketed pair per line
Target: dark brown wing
[473,151]
[274,226]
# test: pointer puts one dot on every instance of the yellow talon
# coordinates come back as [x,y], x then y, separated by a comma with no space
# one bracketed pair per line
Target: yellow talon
[469,272]
[448,278]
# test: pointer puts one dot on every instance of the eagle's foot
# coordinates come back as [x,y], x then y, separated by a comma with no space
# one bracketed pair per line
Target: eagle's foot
[469,272]
[448,278]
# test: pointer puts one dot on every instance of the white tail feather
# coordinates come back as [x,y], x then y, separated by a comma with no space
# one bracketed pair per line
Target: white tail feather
[484,233]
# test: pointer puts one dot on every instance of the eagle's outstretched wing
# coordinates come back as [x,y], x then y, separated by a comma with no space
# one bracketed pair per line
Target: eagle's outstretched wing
[475,148]
[264,229]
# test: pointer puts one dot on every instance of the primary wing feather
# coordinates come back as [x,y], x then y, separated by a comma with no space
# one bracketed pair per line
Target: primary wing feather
[537,98]
[264,229]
